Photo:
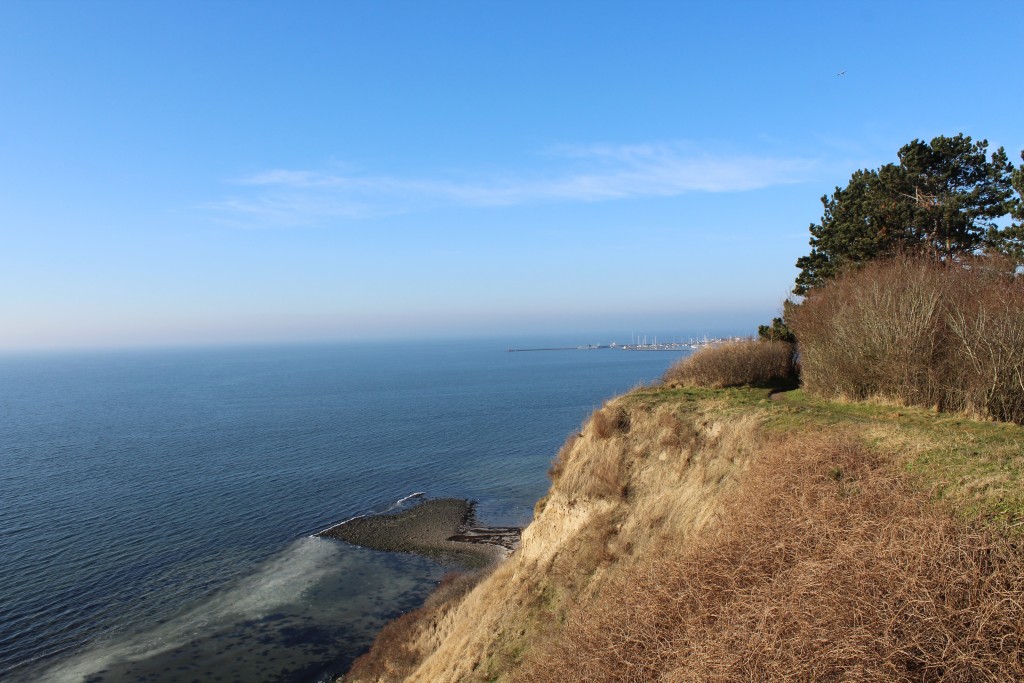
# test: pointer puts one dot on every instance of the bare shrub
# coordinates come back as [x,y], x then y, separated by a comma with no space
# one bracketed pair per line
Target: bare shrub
[826,567]
[876,332]
[454,586]
[734,364]
[985,321]
[610,420]
[918,332]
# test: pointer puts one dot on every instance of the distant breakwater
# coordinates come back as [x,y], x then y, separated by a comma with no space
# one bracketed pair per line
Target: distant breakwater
[618,347]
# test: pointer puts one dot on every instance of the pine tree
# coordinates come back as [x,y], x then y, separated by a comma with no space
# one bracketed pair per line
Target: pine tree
[1010,240]
[942,199]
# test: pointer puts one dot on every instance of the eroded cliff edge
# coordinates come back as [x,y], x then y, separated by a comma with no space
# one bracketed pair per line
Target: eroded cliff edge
[642,474]
[690,528]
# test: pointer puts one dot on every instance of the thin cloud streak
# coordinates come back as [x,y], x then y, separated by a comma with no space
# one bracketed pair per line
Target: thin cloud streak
[285,197]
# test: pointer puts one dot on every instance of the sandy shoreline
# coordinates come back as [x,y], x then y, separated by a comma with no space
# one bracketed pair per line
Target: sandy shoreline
[443,528]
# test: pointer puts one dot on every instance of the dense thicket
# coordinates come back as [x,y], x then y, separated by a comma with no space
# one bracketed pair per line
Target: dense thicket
[945,199]
[918,332]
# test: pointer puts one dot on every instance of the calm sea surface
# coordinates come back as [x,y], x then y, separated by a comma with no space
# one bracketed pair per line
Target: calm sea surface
[156,507]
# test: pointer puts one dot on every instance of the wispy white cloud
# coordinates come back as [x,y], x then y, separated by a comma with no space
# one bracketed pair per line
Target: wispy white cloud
[573,174]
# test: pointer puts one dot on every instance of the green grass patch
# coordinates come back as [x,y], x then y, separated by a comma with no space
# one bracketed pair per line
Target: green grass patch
[697,398]
[975,467]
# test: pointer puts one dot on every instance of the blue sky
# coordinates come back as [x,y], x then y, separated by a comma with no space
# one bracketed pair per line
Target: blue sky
[226,172]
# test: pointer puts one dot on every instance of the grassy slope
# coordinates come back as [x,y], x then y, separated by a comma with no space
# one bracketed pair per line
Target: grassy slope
[660,472]
[975,466]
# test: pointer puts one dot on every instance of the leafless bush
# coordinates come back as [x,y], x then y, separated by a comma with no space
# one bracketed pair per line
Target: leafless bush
[875,332]
[610,420]
[918,332]
[734,364]
[826,567]
[985,320]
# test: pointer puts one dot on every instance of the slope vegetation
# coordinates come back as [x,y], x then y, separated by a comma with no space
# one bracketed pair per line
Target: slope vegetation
[694,534]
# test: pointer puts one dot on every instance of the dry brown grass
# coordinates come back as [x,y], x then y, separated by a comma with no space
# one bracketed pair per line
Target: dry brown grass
[600,475]
[734,364]
[562,457]
[395,654]
[726,537]
[609,420]
[827,566]
[615,499]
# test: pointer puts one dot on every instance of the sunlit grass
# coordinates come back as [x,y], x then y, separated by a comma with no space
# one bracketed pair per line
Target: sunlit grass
[974,466]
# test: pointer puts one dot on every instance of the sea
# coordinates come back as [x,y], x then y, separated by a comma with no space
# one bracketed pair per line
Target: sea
[157,507]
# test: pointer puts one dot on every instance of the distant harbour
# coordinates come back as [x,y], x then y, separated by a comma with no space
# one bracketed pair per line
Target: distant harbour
[655,345]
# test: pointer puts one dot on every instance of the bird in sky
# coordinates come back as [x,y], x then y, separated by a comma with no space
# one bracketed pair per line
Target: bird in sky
[841,73]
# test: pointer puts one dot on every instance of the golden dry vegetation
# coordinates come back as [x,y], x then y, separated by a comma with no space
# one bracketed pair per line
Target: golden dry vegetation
[735,364]
[693,534]
[918,332]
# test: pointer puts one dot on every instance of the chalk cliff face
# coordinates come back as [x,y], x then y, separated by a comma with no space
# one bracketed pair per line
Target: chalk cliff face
[643,475]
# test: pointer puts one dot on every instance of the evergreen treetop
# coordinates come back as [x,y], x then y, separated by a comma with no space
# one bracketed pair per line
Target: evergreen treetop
[944,198]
